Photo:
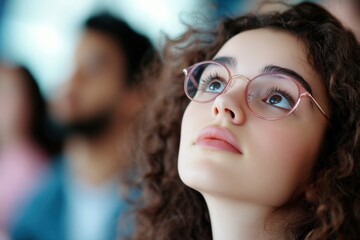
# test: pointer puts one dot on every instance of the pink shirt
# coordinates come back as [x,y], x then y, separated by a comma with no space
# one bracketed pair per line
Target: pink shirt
[21,167]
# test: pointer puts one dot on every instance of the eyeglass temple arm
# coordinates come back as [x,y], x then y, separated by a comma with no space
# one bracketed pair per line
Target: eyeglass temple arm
[318,106]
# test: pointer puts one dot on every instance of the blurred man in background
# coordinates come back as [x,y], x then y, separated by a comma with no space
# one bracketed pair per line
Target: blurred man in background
[81,199]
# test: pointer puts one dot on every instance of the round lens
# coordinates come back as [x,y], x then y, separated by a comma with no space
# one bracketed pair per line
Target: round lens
[206,80]
[272,96]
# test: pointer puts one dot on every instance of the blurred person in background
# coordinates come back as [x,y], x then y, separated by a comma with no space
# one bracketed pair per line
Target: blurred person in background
[348,12]
[23,146]
[82,199]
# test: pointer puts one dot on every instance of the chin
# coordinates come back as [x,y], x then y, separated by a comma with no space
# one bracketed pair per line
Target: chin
[200,174]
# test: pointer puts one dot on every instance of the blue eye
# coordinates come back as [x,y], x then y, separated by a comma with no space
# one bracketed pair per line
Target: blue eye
[279,98]
[278,101]
[212,83]
[215,86]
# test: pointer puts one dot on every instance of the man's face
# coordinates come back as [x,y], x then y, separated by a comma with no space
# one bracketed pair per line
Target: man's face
[97,85]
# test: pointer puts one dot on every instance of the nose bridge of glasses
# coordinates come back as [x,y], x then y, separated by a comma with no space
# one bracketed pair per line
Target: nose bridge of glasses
[239,76]
[232,77]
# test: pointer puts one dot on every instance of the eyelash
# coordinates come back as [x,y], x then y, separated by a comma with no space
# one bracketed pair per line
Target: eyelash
[205,81]
[282,92]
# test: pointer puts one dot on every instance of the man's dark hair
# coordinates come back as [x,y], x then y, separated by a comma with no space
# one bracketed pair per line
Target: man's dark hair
[137,48]
[42,129]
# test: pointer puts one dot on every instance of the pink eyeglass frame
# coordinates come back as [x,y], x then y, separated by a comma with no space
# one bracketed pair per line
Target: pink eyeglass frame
[302,91]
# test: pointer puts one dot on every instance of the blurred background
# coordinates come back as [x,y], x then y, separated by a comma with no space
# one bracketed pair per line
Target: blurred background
[42,34]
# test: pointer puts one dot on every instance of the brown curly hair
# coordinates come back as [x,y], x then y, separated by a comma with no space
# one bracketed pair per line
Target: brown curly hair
[330,205]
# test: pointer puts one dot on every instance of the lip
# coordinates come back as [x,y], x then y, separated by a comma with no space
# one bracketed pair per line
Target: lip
[218,139]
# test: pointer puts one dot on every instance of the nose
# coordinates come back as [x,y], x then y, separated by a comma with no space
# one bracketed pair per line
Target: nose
[228,106]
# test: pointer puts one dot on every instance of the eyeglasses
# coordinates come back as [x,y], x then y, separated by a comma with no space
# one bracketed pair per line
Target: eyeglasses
[269,96]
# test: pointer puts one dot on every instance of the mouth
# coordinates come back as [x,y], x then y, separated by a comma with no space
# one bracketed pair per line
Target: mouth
[218,139]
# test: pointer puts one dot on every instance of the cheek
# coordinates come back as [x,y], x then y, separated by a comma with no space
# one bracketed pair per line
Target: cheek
[194,119]
[284,158]
[101,95]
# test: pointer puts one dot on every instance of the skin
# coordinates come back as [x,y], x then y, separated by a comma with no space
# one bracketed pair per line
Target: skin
[276,157]
[16,112]
[347,12]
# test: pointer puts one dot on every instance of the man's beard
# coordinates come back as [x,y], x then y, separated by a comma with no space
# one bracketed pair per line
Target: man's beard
[91,127]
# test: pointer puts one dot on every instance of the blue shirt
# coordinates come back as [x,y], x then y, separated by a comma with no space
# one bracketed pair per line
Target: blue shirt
[64,209]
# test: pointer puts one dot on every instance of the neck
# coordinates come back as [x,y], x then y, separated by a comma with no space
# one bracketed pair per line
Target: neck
[233,220]
[97,160]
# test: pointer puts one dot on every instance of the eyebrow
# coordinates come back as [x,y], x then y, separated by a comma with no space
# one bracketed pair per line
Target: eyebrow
[231,62]
[285,71]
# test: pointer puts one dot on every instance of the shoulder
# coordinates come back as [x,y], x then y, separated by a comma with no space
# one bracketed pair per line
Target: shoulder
[44,207]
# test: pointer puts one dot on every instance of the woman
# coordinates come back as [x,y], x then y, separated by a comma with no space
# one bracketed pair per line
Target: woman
[24,145]
[269,143]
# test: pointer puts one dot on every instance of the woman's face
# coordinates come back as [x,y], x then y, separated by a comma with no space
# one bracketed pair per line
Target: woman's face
[14,102]
[226,151]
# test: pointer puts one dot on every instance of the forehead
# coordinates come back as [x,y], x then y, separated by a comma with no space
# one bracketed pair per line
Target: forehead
[255,49]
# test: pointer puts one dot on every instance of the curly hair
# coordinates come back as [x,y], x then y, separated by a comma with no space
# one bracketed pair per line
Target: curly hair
[330,204]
